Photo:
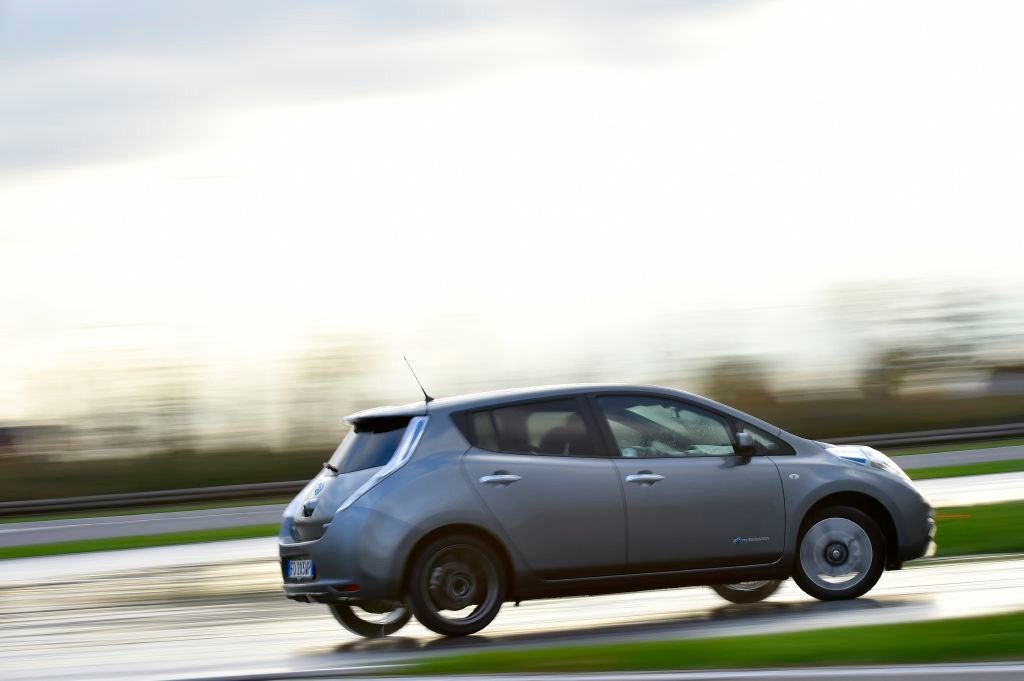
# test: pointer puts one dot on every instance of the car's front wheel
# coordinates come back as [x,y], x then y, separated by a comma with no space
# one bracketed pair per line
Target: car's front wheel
[747,592]
[371,620]
[841,554]
[457,585]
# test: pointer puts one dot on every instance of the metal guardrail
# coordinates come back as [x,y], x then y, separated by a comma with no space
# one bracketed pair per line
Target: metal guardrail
[931,437]
[171,496]
[265,489]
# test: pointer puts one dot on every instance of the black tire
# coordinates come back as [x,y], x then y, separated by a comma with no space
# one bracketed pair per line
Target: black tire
[384,624]
[843,544]
[747,592]
[452,571]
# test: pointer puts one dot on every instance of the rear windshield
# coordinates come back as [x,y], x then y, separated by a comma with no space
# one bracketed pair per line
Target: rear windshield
[369,444]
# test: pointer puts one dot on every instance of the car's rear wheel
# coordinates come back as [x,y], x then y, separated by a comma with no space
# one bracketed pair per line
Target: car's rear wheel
[747,592]
[457,585]
[372,620]
[841,554]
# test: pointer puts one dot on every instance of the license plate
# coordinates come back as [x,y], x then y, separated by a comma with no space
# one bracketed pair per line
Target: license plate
[300,569]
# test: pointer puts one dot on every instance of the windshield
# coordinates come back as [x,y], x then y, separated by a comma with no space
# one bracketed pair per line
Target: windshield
[368,445]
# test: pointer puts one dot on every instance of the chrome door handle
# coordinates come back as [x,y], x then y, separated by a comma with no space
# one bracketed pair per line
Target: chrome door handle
[500,479]
[644,478]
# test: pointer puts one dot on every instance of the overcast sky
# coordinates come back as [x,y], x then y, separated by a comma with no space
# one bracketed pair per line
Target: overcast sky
[235,177]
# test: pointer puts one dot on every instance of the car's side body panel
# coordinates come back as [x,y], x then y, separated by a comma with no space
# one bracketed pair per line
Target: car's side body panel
[724,511]
[565,514]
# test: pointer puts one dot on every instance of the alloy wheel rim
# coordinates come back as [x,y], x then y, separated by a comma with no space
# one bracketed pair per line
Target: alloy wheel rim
[836,554]
[461,584]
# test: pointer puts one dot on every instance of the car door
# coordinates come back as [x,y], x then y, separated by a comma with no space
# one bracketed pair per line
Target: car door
[691,502]
[538,470]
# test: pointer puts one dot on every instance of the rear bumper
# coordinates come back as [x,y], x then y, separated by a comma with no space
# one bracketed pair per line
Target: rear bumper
[353,560]
[320,591]
[325,586]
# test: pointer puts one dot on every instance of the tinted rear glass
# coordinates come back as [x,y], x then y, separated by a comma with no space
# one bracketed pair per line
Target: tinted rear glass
[553,427]
[368,445]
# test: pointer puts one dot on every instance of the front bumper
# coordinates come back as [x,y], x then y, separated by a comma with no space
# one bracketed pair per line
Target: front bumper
[918,541]
[932,546]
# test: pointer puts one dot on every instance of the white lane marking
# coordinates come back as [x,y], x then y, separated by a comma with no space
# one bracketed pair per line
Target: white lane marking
[973,489]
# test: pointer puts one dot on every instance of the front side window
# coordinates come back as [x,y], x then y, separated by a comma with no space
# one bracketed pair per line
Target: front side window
[554,427]
[652,427]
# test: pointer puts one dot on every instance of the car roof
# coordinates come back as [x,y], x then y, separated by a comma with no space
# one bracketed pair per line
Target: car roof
[494,398]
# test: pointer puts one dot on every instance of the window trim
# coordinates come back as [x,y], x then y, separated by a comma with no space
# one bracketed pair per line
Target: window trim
[463,419]
[739,424]
[611,445]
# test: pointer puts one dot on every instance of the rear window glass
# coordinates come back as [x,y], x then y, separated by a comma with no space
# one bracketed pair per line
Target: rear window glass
[369,445]
[553,427]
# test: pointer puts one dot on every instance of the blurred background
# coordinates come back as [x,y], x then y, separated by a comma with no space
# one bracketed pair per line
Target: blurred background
[221,225]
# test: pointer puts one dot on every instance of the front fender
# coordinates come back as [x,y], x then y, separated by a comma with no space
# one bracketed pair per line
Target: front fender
[806,481]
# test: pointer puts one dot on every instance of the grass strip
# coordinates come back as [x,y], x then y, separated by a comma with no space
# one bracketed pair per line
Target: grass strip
[142,541]
[992,528]
[984,468]
[998,637]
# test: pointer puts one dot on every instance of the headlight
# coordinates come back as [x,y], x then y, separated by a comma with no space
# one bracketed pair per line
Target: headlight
[868,456]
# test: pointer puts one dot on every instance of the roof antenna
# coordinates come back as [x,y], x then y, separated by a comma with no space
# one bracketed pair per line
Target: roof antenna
[426,398]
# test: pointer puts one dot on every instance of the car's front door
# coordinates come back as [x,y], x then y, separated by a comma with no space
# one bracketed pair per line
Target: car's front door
[691,502]
[538,470]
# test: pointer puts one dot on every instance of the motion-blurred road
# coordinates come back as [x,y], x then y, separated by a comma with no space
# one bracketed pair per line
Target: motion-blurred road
[216,609]
[976,489]
[959,458]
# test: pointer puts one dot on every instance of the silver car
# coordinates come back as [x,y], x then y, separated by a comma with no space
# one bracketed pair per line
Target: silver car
[446,509]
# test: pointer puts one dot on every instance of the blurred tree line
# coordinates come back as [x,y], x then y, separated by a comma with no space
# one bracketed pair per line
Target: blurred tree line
[947,360]
[910,361]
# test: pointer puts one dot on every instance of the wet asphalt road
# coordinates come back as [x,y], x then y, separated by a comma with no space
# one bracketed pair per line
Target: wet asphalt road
[976,489]
[216,610]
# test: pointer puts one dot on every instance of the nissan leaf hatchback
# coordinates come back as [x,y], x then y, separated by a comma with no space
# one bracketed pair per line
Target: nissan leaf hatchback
[447,509]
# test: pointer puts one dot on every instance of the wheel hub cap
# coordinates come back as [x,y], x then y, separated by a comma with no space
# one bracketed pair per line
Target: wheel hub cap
[836,553]
[462,585]
[453,586]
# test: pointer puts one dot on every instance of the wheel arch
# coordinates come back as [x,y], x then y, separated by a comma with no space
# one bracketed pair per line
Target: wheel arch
[868,504]
[476,531]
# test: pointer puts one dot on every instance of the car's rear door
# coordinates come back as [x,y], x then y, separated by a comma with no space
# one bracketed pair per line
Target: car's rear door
[691,502]
[539,470]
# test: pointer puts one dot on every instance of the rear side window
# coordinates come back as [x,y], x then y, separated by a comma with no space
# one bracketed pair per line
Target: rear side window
[484,434]
[369,444]
[555,427]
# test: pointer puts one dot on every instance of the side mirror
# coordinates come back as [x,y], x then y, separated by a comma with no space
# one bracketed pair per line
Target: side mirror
[745,444]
